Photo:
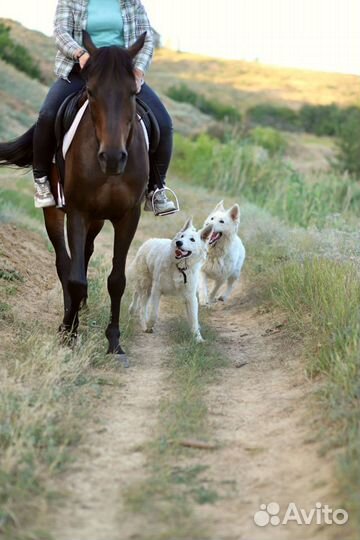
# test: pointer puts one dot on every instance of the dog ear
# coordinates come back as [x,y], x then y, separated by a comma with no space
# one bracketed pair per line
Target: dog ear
[235,213]
[206,232]
[219,206]
[188,225]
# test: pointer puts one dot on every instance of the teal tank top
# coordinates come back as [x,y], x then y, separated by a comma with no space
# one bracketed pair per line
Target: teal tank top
[105,23]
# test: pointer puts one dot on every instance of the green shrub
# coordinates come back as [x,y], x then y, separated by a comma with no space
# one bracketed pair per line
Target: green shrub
[321,119]
[274,116]
[247,171]
[349,144]
[17,55]
[272,140]
[219,111]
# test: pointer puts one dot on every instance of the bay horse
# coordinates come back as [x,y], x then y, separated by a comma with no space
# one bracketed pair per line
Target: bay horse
[106,175]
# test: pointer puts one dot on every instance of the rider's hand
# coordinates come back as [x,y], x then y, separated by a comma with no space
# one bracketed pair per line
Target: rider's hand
[83,59]
[139,79]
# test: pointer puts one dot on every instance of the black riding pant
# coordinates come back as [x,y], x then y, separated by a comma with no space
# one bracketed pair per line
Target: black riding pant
[44,135]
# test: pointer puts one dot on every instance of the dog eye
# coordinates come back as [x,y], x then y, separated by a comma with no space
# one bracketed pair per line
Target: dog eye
[212,219]
[192,239]
[222,221]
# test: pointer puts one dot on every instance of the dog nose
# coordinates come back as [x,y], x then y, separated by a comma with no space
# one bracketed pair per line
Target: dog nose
[179,243]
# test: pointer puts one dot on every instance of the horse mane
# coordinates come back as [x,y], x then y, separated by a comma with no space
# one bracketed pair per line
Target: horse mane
[112,60]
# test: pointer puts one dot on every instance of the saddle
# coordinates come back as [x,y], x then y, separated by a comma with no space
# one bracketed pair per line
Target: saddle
[64,121]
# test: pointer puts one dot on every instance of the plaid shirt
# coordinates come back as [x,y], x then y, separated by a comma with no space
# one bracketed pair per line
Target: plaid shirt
[71,19]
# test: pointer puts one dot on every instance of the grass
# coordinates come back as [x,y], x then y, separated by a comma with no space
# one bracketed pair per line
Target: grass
[47,392]
[313,277]
[171,490]
[245,84]
[244,170]
[322,298]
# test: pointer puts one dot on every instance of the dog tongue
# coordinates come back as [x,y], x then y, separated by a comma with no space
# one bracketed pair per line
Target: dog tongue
[214,236]
[178,252]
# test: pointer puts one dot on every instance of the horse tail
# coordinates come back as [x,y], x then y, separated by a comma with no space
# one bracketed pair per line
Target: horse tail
[19,151]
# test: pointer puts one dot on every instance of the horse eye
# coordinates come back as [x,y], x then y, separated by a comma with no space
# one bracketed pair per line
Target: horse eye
[222,221]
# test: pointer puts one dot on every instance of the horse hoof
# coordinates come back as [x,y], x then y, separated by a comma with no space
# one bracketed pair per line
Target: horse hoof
[67,338]
[122,359]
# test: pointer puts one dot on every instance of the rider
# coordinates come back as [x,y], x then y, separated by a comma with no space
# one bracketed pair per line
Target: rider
[109,22]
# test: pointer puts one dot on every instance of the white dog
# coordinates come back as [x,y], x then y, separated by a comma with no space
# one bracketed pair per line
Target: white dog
[169,267]
[226,253]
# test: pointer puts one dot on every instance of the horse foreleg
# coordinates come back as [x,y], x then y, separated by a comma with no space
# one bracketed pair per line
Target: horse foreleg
[124,233]
[54,223]
[94,229]
[77,230]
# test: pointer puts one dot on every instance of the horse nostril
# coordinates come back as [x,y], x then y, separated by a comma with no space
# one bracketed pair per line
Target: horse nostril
[123,156]
[179,243]
[102,156]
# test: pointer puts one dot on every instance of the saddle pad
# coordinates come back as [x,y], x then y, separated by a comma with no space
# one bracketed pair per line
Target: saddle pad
[69,135]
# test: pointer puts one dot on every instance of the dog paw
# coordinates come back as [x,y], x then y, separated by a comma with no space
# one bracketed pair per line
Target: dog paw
[221,299]
[149,331]
[199,339]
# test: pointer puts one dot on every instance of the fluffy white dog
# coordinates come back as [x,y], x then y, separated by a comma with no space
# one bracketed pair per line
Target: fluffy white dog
[169,267]
[226,253]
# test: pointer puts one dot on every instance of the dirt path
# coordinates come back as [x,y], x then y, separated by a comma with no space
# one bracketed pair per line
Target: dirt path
[262,415]
[111,458]
[259,416]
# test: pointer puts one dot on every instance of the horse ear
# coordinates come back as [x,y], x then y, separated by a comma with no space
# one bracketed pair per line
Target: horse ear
[206,233]
[235,213]
[188,225]
[88,42]
[137,46]
[219,206]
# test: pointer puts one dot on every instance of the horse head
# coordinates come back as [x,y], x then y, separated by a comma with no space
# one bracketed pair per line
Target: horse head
[111,90]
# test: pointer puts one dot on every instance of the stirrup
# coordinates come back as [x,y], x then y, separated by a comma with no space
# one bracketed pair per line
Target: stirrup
[174,199]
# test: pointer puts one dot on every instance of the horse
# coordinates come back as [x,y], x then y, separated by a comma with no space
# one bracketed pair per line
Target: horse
[106,175]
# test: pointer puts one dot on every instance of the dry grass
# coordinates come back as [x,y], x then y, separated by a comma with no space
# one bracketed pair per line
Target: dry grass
[245,84]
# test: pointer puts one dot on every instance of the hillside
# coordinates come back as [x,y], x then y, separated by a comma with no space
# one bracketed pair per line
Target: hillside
[21,97]
[245,84]
[240,83]
[41,47]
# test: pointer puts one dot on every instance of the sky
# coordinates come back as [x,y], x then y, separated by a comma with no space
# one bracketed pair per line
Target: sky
[315,34]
